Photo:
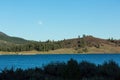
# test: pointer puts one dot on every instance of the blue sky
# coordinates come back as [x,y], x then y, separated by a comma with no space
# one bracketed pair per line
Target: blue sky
[59,19]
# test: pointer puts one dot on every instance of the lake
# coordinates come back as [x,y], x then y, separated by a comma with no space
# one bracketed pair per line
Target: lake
[31,61]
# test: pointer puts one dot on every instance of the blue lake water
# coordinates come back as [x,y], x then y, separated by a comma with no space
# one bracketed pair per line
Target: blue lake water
[31,61]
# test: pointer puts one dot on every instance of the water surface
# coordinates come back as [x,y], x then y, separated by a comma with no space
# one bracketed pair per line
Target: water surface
[31,61]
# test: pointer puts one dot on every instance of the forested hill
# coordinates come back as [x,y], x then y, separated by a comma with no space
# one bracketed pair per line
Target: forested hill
[8,39]
[84,44]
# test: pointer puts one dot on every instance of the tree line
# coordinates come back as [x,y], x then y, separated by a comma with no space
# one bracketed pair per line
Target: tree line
[77,43]
[11,44]
[71,70]
[43,46]
[38,46]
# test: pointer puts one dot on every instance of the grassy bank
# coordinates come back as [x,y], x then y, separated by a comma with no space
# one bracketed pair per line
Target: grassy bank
[87,50]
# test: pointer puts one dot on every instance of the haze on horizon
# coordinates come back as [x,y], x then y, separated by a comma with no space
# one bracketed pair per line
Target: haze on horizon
[59,19]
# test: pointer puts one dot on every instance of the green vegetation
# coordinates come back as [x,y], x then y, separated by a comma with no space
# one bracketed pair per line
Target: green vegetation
[80,44]
[72,70]
[8,39]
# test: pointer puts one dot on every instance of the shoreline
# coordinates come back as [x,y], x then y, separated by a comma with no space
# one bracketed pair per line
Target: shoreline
[91,50]
[27,53]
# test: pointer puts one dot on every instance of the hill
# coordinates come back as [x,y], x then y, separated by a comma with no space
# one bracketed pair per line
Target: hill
[84,44]
[8,39]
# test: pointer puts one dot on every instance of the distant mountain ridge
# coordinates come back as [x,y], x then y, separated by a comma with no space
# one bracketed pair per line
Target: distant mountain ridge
[9,39]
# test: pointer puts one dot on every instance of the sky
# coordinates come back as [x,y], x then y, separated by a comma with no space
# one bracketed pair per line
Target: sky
[60,19]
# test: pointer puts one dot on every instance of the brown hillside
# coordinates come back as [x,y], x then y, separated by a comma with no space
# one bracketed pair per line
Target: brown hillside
[87,41]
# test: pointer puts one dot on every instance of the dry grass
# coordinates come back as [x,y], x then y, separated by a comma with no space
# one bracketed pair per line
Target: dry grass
[58,51]
[93,50]
[104,49]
